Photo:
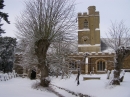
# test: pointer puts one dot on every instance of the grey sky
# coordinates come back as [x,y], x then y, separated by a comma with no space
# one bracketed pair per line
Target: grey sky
[110,10]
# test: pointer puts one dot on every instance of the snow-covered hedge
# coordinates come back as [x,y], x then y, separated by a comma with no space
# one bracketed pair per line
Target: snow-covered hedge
[7,76]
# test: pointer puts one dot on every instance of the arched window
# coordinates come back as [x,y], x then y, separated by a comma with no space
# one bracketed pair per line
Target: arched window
[85,24]
[101,65]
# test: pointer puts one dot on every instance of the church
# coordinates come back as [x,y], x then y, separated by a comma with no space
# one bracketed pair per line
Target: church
[90,57]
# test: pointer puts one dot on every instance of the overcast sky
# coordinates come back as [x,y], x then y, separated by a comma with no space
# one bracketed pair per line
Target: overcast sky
[110,10]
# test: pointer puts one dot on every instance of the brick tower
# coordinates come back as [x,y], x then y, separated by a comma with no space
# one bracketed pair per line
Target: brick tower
[88,31]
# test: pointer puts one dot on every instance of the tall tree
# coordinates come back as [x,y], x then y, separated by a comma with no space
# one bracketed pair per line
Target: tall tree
[117,35]
[118,38]
[45,21]
[7,45]
[3,16]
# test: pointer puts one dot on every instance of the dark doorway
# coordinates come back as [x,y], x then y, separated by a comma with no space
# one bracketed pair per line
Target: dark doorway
[33,74]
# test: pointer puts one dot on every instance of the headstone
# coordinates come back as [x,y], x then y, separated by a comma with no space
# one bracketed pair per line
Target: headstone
[112,74]
[108,74]
[122,75]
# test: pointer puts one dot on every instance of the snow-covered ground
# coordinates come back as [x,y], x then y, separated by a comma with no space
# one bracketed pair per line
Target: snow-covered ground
[22,87]
[97,88]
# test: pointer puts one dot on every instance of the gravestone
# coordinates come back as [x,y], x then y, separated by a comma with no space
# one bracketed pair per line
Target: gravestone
[108,74]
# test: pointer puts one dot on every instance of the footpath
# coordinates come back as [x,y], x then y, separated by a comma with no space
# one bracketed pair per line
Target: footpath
[73,94]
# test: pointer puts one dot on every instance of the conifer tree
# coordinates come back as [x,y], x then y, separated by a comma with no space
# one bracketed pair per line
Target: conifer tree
[3,16]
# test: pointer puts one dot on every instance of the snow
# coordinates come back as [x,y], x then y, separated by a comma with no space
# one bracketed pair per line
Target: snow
[97,29]
[109,50]
[96,88]
[86,45]
[22,87]
[86,61]
[84,29]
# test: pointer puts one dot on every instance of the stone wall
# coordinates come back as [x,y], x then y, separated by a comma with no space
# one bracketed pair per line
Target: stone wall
[93,58]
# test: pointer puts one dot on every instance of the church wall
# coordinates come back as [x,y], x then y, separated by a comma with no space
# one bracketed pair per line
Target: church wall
[80,58]
[126,63]
[92,66]
[93,58]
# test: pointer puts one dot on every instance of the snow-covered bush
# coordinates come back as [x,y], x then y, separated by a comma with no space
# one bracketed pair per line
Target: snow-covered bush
[7,76]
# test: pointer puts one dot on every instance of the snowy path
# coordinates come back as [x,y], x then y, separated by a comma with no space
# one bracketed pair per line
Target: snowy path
[72,93]
[96,88]
[62,93]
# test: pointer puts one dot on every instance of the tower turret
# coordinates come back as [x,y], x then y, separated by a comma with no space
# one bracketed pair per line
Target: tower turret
[91,10]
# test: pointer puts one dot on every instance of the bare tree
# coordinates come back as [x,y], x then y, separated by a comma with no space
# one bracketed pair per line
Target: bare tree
[118,35]
[63,47]
[118,38]
[28,58]
[43,22]
[59,55]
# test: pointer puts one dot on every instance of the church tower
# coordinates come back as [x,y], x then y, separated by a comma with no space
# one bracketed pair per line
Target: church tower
[88,31]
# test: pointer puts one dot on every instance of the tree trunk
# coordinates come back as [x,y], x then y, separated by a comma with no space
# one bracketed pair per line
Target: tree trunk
[121,54]
[41,51]
[116,79]
[44,76]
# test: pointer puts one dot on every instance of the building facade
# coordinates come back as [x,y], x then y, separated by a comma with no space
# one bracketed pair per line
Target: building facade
[90,58]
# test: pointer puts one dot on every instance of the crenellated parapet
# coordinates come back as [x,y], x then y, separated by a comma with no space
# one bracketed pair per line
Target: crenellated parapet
[83,54]
[77,54]
[82,14]
[91,12]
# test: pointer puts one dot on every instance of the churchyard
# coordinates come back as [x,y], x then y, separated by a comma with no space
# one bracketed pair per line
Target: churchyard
[67,87]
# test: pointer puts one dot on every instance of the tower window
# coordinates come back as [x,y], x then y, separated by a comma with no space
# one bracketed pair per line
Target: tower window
[85,24]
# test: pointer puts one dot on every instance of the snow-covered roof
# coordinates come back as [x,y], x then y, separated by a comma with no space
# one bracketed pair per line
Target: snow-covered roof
[104,46]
